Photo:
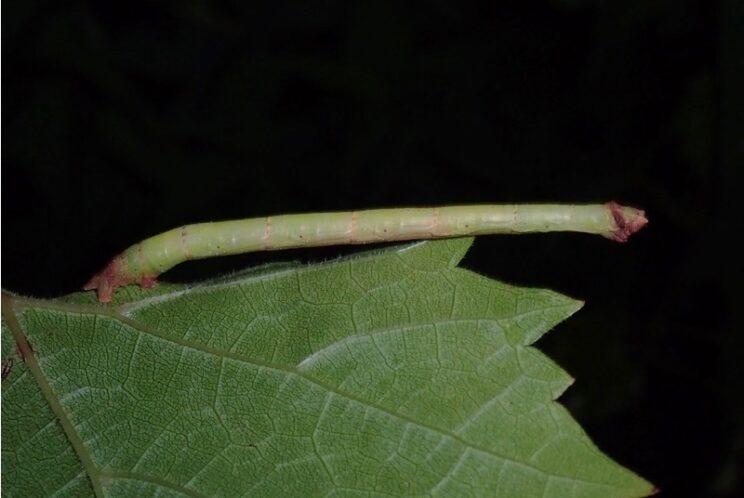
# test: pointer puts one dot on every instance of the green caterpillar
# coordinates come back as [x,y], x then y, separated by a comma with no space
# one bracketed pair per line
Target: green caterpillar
[143,262]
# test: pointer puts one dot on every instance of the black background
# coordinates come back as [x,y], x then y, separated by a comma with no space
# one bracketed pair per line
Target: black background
[121,122]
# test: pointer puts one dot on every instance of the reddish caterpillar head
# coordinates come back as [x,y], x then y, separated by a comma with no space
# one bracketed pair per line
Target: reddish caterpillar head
[627,219]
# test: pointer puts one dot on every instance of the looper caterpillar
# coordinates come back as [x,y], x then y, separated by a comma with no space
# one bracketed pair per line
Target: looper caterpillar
[143,262]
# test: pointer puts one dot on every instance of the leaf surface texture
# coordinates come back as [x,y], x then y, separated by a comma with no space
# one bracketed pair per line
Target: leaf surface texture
[392,373]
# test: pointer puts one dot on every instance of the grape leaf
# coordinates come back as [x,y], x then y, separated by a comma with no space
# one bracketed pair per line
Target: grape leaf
[390,373]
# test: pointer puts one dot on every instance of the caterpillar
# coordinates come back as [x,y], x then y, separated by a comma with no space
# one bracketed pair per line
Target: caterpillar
[144,261]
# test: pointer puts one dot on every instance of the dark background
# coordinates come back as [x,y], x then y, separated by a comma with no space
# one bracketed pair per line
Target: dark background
[121,122]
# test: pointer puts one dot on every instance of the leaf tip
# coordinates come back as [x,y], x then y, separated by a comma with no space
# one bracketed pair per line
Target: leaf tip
[574,305]
[458,248]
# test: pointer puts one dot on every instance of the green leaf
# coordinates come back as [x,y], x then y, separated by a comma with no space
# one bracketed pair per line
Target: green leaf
[390,373]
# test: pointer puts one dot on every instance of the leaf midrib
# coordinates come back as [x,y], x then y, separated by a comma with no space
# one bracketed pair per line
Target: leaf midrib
[51,398]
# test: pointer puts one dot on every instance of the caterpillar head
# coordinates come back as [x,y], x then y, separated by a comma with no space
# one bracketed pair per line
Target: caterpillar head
[628,220]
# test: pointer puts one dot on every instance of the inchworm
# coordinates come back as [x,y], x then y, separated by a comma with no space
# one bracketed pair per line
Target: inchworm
[143,262]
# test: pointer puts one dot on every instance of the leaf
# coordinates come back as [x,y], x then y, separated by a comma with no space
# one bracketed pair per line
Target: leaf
[391,373]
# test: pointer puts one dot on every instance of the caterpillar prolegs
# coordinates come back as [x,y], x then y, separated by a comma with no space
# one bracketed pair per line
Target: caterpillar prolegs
[144,261]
